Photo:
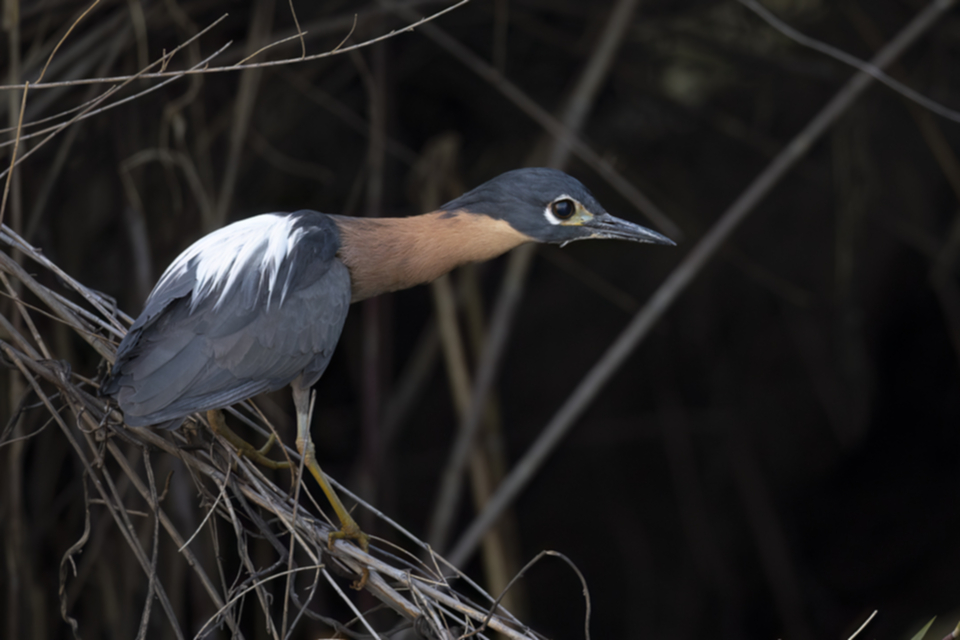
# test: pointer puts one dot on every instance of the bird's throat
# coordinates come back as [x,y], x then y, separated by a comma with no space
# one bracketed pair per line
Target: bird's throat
[389,254]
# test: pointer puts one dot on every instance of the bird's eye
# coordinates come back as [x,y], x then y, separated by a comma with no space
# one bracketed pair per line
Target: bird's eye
[563,209]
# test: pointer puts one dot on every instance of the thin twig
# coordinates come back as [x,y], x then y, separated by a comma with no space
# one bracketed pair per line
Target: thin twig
[119,516]
[550,124]
[234,68]
[64,38]
[13,154]
[540,556]
[853,61]
[152,579]
[863,626]
[300,32]
[582,96]
[681,278]
[163,60]
[242,63]
[74,549]
[90,111]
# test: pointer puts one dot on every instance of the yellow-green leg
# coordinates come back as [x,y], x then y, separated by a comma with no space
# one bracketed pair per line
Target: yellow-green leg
[349,529]
[219,426]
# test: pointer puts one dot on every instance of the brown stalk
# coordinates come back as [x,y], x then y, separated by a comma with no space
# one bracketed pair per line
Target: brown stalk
[233,68]
[683,275]
[582,95]
[261,21]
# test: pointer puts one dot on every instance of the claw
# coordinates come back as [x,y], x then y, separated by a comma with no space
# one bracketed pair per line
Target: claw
[361,582]
[351,531]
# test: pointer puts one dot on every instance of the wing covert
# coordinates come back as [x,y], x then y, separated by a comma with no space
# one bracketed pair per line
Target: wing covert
[267,306]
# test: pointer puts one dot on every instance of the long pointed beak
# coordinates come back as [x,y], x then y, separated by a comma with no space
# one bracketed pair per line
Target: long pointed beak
[604,225]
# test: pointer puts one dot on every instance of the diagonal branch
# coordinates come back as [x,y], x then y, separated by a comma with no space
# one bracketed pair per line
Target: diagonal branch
[681,278]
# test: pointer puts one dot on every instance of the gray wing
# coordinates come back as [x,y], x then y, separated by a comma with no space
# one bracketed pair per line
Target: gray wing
[205,342]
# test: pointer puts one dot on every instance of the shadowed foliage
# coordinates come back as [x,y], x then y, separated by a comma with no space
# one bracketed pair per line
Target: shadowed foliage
[774,457]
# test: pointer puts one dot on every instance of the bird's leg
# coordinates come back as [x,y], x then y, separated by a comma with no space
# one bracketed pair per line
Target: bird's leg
[349,529]
[219,426]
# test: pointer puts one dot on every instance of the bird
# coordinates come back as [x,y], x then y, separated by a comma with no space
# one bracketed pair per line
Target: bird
[259,304]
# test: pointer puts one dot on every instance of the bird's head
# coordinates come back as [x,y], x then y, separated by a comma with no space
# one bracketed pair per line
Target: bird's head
[549,206]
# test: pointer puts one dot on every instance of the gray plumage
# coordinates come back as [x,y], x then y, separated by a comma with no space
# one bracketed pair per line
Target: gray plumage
[205,341]
[522,196]
[260,303]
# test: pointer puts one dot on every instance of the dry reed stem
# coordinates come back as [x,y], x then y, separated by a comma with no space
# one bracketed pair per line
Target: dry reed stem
[95,433]
[691,265]
[549,123]
[564,141]
[241,67]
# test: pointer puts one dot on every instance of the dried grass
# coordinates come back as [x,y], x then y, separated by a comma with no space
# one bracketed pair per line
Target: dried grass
[428,595]
[233,490]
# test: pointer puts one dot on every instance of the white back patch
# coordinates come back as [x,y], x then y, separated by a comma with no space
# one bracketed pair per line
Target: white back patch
[256,245]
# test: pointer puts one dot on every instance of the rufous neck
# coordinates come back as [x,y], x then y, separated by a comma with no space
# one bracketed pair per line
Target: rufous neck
[389,254]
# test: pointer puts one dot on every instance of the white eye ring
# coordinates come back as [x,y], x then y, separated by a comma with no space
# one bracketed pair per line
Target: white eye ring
[548,211]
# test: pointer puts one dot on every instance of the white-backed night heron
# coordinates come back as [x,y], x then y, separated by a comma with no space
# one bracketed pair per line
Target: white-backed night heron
[260,303]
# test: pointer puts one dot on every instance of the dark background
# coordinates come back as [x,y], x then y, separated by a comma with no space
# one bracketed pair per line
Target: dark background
[776,459]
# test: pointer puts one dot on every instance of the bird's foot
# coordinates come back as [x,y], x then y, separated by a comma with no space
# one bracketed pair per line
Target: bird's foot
[219,426]
[260,455]
[351,531]
[361,582]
